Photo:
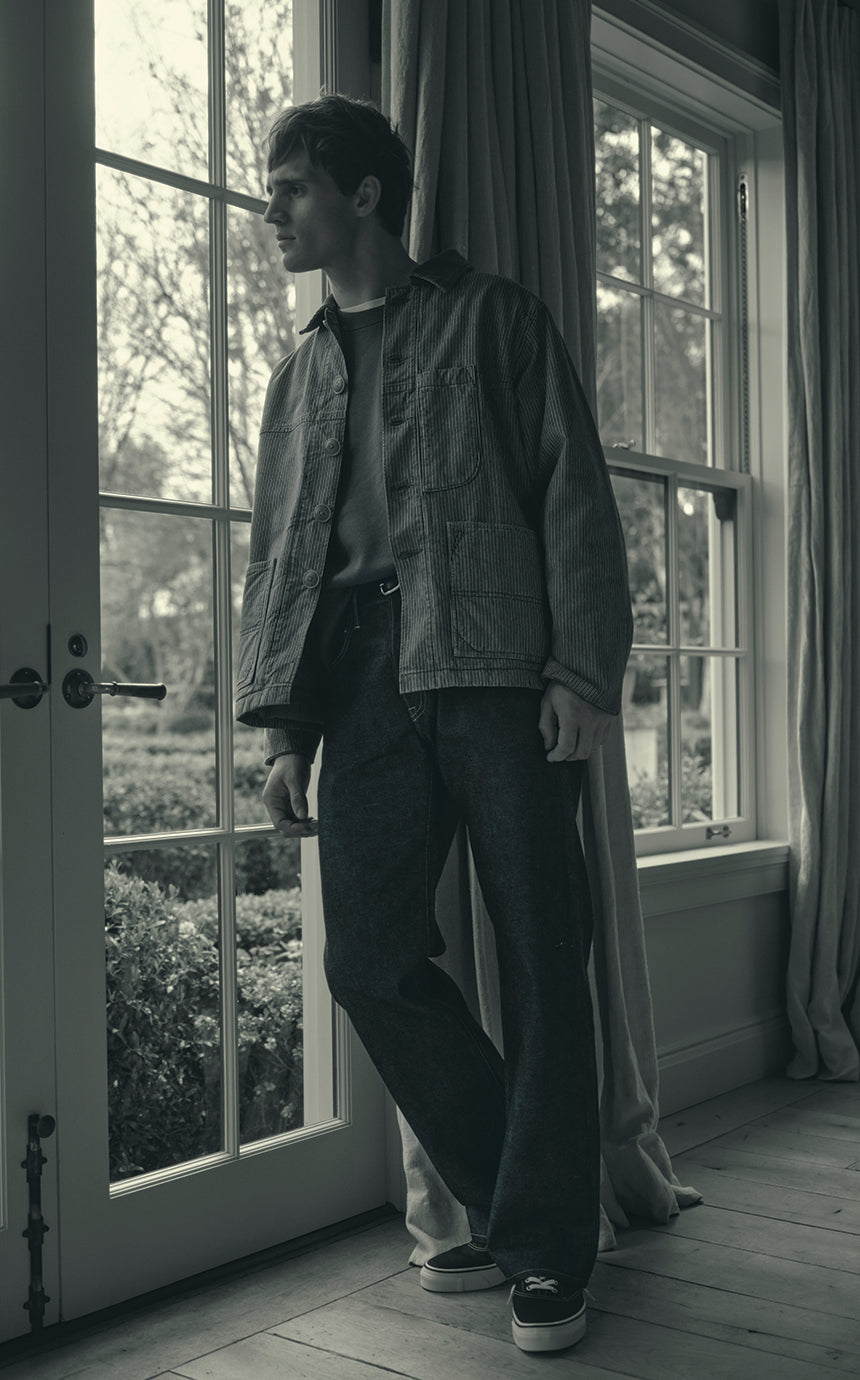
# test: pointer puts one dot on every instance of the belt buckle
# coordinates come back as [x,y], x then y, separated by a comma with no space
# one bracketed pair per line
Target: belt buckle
[393,590]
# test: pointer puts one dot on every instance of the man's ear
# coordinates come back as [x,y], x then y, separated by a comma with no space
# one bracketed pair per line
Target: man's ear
[366,195]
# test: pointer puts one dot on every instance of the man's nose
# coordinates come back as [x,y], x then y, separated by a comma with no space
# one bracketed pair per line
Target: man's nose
[272,214]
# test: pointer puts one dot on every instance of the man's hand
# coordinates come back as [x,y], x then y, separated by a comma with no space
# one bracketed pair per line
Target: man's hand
[285,796]
[571,728]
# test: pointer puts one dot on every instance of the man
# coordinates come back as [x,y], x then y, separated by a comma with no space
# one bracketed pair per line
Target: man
[438,589]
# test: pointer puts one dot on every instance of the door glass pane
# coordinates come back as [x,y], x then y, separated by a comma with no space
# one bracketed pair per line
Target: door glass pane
[678,208]
[619,368]
[646,737]
[616,141]
[151,82]
[153,339]
[642,508]
[681,349]
[269,975]
[259,83]
[157,626]
[163,1008]
[261,330]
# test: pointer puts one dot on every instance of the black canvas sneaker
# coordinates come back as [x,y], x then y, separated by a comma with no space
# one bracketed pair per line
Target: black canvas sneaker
[461,1270]
[548,1313]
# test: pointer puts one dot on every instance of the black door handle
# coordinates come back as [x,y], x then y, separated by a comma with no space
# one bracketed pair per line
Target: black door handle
[79,689]
[25,689]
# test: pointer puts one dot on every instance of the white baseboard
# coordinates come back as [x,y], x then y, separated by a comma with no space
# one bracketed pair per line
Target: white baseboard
[707,1068]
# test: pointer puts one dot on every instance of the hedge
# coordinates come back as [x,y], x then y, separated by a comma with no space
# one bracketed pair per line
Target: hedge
[163,1004]
[165,784]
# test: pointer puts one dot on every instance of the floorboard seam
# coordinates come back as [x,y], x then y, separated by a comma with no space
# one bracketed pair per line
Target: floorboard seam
[270,1328]
[729,1341]
[327,1351]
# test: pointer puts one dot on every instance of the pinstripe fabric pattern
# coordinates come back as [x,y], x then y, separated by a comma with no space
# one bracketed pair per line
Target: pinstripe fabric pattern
[501,515]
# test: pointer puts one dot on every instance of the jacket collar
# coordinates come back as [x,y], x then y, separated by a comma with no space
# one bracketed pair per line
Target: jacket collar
[443,271]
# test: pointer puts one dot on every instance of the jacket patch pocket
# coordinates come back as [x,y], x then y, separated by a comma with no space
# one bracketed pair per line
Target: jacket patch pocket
[449,427]
[498,598]
[255,605]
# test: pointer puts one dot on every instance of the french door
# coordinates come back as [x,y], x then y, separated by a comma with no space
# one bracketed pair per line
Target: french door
[164,1001]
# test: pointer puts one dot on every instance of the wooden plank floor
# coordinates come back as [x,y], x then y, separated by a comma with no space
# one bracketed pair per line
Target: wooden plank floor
[762,1280]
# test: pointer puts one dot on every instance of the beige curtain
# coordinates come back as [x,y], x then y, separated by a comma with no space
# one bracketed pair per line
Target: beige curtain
[494,98]
[820,42]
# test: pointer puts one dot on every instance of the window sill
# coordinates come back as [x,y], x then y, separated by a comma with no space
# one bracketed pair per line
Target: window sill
[670,882]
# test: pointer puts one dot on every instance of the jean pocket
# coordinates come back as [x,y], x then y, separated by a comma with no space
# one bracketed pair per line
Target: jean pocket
[338,647]
[255,606]
[449,427]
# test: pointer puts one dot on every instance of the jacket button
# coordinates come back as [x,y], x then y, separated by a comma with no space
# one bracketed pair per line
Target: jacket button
[311,579]
[322,512]
[339,383]
[332,445]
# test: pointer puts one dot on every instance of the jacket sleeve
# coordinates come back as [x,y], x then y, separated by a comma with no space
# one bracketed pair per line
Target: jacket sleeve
[585,561]
[285,735]
[297,726]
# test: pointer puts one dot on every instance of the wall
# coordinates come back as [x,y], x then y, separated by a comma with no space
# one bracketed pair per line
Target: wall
[750,25]
[737,41]
[717,970]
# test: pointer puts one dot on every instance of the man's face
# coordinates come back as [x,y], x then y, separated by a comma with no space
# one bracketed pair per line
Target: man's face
[316,224]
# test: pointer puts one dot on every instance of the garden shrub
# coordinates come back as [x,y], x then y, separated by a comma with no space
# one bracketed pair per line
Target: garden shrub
[649,795]
[166,783]
[164,1064]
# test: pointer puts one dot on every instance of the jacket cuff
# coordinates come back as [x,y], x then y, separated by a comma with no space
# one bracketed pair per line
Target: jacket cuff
[592,694]
[292,737]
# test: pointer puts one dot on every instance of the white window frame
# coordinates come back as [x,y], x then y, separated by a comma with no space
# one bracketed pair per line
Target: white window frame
[739,119]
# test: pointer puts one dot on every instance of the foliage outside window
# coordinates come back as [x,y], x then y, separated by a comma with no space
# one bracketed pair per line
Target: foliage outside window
[663,375]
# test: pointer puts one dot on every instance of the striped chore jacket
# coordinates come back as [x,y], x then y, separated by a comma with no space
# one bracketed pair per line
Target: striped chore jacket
[502,520]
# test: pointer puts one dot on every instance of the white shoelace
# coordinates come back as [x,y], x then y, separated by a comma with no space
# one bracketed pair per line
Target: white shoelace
[541,1284]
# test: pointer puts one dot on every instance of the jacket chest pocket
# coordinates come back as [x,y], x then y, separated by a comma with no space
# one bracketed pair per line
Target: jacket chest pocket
[449,426]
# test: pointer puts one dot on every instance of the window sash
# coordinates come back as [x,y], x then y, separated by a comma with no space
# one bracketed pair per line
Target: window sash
[732,733]
[737,745]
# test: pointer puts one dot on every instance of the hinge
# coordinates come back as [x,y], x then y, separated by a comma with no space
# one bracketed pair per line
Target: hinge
[37,1127]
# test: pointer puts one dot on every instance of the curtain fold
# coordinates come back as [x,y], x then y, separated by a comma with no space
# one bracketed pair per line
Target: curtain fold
[820,59]
[494,99]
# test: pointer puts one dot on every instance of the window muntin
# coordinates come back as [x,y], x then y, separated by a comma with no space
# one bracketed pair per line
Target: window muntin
[663,367]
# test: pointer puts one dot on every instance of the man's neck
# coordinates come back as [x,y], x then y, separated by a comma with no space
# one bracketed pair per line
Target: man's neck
[377,266]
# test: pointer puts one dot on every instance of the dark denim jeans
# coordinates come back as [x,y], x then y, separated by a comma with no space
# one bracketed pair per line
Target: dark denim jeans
[516,1141]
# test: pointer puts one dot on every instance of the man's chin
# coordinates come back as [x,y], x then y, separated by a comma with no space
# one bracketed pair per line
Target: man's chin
[295,263]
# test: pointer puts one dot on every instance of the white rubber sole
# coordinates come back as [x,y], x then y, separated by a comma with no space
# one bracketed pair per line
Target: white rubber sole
[460,1281]
[550,1336]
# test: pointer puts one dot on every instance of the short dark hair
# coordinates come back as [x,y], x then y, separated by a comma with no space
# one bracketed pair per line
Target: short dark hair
[350,139]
